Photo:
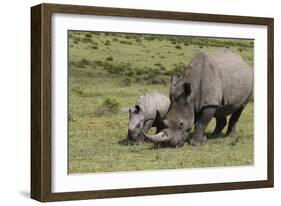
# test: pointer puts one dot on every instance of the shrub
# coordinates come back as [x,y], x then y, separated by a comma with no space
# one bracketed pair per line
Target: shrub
[156,81]
[71,118]
[125,42]
[100,111]
[112,104]
[139,71]
[149,38]
[94,47]
[80,64]
[109,58]
[240,49]
[114,69]
[107,43]
[109,105]
[158,64]
[78,91]
[88,35]
[127,81]
[178,69]
[178,47]
[129,73]
[87,40]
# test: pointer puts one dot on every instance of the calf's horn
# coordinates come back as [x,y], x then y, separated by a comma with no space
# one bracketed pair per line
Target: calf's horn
[157,138]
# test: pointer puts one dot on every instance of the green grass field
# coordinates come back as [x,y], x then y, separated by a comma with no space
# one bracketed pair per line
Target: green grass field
[108,71]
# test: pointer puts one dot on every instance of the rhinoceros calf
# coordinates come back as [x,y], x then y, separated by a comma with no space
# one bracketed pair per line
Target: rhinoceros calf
[149,111]
[216,84]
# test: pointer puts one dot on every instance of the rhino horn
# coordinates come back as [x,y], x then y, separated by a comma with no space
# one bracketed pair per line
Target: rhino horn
[157,138]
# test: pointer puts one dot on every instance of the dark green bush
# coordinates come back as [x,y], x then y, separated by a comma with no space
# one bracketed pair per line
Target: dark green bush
[112,104]
[71,118]
[88,35]
[178,47]
[125,42]
[240,49]
[79,92]
[109,58]
[107,43]
[149,38]
[85,62]
[109,105]
[87,40]
[127,81]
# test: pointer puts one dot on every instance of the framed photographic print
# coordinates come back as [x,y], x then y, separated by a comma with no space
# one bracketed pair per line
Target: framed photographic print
[130,102]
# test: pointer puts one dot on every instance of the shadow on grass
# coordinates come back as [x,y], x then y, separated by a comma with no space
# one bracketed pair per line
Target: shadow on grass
[214,136]
[126,142]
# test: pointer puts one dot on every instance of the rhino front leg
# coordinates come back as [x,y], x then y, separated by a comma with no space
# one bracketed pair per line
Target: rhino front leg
[146,127]
[158,122]
[201,124]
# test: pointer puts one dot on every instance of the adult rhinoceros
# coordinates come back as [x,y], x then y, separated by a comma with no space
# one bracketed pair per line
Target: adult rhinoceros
[216,84]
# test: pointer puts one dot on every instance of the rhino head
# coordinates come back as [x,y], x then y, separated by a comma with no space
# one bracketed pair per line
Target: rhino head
[180,117]
[136,122]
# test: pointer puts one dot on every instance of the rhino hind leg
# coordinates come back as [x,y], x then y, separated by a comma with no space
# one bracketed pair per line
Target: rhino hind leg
[201,124]
[220,124]
[232,126]
[233,121]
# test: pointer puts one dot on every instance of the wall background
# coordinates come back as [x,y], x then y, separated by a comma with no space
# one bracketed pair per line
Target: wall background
[15,102]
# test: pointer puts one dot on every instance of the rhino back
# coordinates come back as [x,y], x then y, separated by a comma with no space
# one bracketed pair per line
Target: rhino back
[153,102]
[220,78]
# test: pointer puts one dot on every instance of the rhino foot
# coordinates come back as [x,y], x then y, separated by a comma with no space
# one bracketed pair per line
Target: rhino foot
[198,141]
[235,138]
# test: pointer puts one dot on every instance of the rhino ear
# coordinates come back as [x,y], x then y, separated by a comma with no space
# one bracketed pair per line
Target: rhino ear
[175,79]
[137,109]
[187,89]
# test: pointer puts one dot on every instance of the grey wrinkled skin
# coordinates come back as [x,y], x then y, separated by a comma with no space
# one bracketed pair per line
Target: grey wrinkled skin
[216,84]
[149,111]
